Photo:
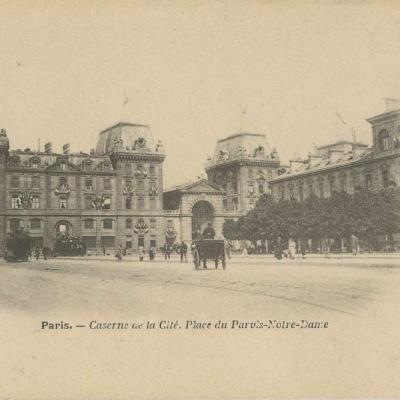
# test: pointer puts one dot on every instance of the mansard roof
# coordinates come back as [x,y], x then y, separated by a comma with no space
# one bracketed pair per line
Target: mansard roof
[198,186]
[242,146]
[322,164]
[126,137]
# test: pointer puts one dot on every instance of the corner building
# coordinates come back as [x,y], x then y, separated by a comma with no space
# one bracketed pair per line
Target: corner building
[347,166]
[109,197]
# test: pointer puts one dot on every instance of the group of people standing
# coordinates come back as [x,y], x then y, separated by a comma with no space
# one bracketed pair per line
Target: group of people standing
[302,247]
[37,251]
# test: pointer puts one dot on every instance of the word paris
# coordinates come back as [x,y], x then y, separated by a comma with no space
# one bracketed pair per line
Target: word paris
[190,325]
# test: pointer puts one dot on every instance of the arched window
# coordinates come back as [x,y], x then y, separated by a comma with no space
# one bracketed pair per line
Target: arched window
[128,202]
[384,140]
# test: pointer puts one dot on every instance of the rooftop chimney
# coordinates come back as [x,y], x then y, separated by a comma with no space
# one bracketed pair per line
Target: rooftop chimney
[334,155]
[48,147]
[66,148]
[313,160]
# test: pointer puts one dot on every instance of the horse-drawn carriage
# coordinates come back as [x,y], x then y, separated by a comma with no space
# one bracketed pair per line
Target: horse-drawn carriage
[208,249]
[69,246]
[18,247]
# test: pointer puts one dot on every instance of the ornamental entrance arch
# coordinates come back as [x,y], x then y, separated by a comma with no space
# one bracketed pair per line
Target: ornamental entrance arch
[202,213]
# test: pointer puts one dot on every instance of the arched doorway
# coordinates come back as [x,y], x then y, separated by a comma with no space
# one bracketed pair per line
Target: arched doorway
[63,229]
[202,214]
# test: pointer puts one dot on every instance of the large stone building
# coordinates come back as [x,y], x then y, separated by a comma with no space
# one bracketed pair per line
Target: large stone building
[110,197]
[238,174]
[114,195]
[346,166]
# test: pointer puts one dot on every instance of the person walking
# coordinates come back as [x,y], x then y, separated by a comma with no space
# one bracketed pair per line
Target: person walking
[183,249]
[292,249]
[354,244]
[303,249]
[140,253]
[152,253]
[167,252]
[118,253]
[227,249]
[278,249]
[326,247]
[37,253]
[44,252]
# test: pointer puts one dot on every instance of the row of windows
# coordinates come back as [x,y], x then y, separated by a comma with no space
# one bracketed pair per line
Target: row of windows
[36,223]
[108,223]
[128,169]
[261,188]
[89,182]
[33,201]
[343,186]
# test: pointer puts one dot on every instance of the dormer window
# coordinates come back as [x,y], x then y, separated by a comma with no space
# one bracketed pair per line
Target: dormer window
[384,140]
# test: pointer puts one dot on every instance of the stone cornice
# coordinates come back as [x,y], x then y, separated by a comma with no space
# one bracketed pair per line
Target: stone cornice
[123,156]
[245,162]
[334,168]
[37,171]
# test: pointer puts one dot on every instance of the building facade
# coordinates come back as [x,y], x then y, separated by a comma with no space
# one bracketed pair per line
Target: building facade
[237,175]
[109,197]
[113,196]
[346,166]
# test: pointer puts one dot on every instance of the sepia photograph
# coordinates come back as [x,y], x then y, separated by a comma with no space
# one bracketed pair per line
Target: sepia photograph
[199,200]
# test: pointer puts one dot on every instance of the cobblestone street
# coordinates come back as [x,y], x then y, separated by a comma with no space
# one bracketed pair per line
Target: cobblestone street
[357,297]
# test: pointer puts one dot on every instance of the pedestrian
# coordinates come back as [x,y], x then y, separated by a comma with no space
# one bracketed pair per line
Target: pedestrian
[167,251]
[140,253]
[303,249]
[152,253]
[44,252]
[292,249]
[326,247]
[37,253]
[354,244]
[183,251]
[227,249]
[118,253]
[278,249]
[104,251]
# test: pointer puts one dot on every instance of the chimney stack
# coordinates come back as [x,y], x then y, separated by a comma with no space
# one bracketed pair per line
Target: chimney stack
[66,148]
[48,148]
[334,155]
[313,160]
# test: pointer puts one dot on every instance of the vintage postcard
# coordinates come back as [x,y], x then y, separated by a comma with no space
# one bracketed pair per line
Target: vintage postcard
[199,200]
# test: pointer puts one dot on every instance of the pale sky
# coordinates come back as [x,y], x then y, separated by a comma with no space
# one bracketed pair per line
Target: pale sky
[190,68]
